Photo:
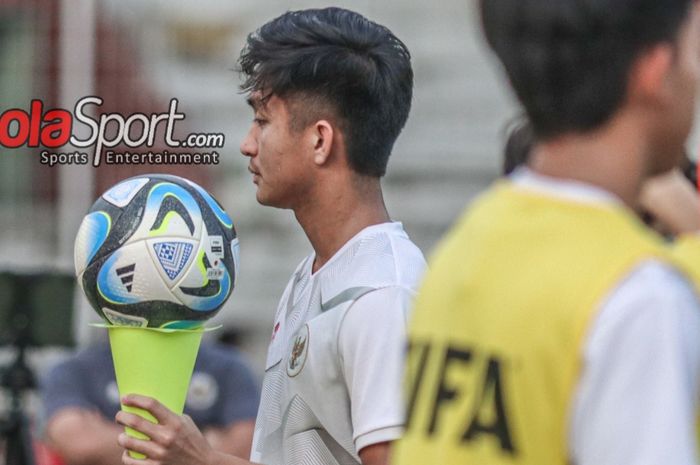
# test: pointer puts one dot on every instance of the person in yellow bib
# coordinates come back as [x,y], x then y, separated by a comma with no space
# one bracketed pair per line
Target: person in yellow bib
[553,327]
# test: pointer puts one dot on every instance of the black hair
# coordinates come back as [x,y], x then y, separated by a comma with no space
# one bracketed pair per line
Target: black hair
[569,60]
[338,59]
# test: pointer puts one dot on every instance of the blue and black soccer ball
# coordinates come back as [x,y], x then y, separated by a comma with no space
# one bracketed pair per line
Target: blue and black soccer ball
[156,251]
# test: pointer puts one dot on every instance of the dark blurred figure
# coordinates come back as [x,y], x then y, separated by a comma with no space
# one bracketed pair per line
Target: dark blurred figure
[80,400]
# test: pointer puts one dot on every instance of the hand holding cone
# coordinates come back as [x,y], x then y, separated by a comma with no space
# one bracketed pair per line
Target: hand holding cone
[154,363]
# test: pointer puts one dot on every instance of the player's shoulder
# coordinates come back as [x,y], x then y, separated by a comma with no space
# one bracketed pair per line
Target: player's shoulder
[213,357]
[379,256]
[656,280]
[653,291]
[95,354]
[384,255]
[96,358]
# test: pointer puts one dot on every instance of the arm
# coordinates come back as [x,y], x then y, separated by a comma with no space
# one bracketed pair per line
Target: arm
[635,401]
[376,454]
[84,437]
[70,413]
[175,440]
[371,343]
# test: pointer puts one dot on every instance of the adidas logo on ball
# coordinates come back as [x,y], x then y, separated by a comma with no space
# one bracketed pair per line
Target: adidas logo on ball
[127,275]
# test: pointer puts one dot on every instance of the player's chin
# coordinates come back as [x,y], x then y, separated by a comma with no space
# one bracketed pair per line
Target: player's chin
[261,197]
[265,198]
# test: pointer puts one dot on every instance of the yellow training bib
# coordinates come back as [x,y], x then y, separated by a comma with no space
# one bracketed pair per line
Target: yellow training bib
[498,327]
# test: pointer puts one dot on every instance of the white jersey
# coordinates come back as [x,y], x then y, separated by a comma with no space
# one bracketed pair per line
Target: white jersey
[334,366]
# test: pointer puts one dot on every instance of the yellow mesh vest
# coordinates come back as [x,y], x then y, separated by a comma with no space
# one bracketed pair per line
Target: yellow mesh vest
[498,327]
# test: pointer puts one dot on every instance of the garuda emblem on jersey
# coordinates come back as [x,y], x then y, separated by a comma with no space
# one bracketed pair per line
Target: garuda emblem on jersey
[299,349]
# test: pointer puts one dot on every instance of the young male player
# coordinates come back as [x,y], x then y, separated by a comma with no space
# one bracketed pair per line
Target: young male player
[331,92]
[553,328]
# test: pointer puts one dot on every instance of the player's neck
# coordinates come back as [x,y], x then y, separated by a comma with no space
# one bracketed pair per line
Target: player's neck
[613,158]
[333,217]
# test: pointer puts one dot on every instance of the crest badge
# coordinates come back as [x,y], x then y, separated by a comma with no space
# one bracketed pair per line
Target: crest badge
[299,349]
[173,256]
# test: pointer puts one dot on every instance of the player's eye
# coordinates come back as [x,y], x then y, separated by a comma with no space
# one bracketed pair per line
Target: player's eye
[259,121]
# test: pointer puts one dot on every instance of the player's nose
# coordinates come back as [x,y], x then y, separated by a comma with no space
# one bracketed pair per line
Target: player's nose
[249,146]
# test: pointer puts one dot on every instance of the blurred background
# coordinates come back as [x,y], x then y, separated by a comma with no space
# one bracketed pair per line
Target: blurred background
[138,55]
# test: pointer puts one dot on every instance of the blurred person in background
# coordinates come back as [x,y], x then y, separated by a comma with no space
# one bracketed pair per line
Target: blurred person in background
[669,203]
[80,400]
[330,91]
[553,327]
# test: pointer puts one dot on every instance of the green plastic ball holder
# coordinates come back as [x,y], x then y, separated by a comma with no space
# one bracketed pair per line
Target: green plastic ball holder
[153,362]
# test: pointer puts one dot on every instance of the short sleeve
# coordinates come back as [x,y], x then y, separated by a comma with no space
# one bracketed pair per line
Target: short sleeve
[241,392]
[636,399]
[62,387]
[371,343]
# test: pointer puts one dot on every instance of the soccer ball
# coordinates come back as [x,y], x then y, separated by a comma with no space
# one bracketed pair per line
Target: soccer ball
[156,251]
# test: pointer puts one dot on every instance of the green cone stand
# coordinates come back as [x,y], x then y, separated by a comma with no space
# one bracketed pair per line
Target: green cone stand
[155,363]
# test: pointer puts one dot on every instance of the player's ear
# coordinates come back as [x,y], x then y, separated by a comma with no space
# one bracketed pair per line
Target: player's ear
[649,79]
[322,141]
